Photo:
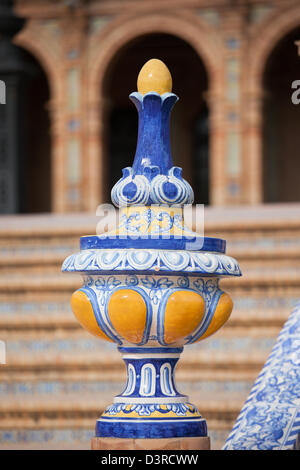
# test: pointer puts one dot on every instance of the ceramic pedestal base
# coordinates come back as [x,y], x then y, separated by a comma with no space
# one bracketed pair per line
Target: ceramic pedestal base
[150,407]
[180,443]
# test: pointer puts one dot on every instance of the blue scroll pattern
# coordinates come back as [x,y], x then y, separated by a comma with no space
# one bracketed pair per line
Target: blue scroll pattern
[270,418]
[152,260]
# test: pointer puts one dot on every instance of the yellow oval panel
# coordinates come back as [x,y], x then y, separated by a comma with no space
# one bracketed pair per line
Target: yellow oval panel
[184,312]
[221,315]
[154,76]
[127,311]
[83,311]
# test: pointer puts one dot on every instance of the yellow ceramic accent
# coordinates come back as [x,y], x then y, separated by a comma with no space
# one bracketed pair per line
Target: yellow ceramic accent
[154,76]
[154,414]
[143,224]
[128,313]
[184,311]
[176,229]
[221,315]
[83,311]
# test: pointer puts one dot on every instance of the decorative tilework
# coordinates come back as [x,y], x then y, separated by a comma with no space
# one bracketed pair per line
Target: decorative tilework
[259,12]
[210,15]
[232,43]
[46,436]
[270,418]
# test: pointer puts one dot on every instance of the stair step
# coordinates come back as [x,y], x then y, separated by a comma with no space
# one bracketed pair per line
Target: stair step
[58,378]
[79,341]
[59,282]
[65,320]
[75,439]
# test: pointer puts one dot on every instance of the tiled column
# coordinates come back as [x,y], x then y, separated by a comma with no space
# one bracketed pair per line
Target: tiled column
[73,27]
[233,33]
[253,175]
[95,168]
[217,184]
[58,156]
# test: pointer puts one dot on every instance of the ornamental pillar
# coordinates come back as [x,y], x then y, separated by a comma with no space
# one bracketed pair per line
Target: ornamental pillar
[151,286]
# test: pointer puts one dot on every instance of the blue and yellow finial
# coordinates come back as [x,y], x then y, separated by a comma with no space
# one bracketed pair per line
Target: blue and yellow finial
[154,76]
[153,179]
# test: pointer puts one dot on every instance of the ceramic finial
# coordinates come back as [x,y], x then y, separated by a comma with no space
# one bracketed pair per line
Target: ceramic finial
[154,76]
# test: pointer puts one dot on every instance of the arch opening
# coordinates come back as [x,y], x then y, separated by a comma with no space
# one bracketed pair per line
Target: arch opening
[26,162]
[190,117]
[281,137]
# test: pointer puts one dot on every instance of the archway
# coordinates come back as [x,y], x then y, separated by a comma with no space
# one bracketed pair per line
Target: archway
[189,124]
[26,186]
[281,137]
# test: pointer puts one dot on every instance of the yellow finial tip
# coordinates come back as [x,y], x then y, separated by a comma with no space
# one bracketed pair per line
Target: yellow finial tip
[154,76]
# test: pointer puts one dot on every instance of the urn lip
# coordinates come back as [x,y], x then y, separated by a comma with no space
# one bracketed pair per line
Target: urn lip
[159,262]
[193,243]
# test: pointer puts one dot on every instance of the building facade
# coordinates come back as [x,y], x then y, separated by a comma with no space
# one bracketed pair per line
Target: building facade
[235,130]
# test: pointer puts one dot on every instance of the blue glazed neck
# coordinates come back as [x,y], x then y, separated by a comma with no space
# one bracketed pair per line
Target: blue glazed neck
[153,146]
[152,179]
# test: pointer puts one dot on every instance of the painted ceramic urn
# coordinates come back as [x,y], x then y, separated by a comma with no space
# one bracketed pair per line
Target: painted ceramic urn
[152,285]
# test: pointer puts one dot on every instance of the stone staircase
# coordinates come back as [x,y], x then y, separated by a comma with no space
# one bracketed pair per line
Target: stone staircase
[57,378]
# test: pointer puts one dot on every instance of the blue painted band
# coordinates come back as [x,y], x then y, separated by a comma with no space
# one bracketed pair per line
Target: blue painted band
[152,271]
[151,429]
[160,242]
[162,311]
[208,318]
[150,350]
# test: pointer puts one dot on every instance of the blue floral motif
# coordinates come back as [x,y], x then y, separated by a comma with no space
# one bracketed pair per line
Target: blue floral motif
[131,281]
[266,422]
[89,281]
[126,222]
[206,287]
[160,218]
[183,282]
[180,409]
[156,287]
[105,286]
[161,283]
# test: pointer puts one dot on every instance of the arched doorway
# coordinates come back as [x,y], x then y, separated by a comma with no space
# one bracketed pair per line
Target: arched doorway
[25,145]
[281,118]
[189,124]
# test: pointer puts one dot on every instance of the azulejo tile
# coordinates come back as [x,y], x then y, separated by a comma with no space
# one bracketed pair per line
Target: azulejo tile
[270,418]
